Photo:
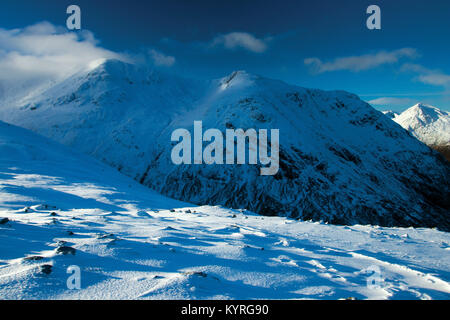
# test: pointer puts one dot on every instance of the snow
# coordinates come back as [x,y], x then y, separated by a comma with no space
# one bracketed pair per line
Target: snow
[332,144]
[391,114]
[132,243]
[427,123]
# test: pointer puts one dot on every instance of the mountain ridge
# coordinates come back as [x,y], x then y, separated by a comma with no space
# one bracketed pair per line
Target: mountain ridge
[341,161]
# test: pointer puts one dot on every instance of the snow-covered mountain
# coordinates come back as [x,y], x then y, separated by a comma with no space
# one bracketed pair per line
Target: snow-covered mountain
[341,160]
[60,210]
[428,124]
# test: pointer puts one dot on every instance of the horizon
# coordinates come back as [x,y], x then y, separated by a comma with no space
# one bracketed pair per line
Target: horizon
[379,108]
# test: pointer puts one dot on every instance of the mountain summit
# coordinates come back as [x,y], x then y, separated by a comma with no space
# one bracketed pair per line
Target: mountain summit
[341,161]
[429,124]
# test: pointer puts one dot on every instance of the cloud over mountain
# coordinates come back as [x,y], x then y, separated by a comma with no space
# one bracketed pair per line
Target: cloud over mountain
[428,76]
[43,52]
[360,63]
[244,40]
[160,59]
[383,101]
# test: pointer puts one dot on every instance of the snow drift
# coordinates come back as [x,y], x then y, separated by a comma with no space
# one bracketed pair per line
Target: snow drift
[61,210]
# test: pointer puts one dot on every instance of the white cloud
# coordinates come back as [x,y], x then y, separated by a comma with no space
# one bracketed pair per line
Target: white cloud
[360,63]
[428,76]
[160,59]
[242,40]
[391,101]
[435,79]
[33,55]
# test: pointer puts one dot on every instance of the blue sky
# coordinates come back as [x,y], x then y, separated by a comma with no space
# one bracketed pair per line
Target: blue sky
[321,44]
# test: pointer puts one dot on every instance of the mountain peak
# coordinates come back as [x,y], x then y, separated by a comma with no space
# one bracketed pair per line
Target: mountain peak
[237,74]
[237,78]
[109,63]
[423,112]
[423,107]
[427,123]
[110,66]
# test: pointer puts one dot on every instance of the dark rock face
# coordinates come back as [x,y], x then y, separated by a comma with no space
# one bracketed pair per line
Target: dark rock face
[444,150]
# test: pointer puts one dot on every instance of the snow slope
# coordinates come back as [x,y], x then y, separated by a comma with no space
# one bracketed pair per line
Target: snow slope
[131,243]
[341,160]
[427,123]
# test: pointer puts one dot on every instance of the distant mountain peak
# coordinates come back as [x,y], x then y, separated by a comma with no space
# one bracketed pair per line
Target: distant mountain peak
[424,106]
[423,112]
[425,109]
[427,123]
